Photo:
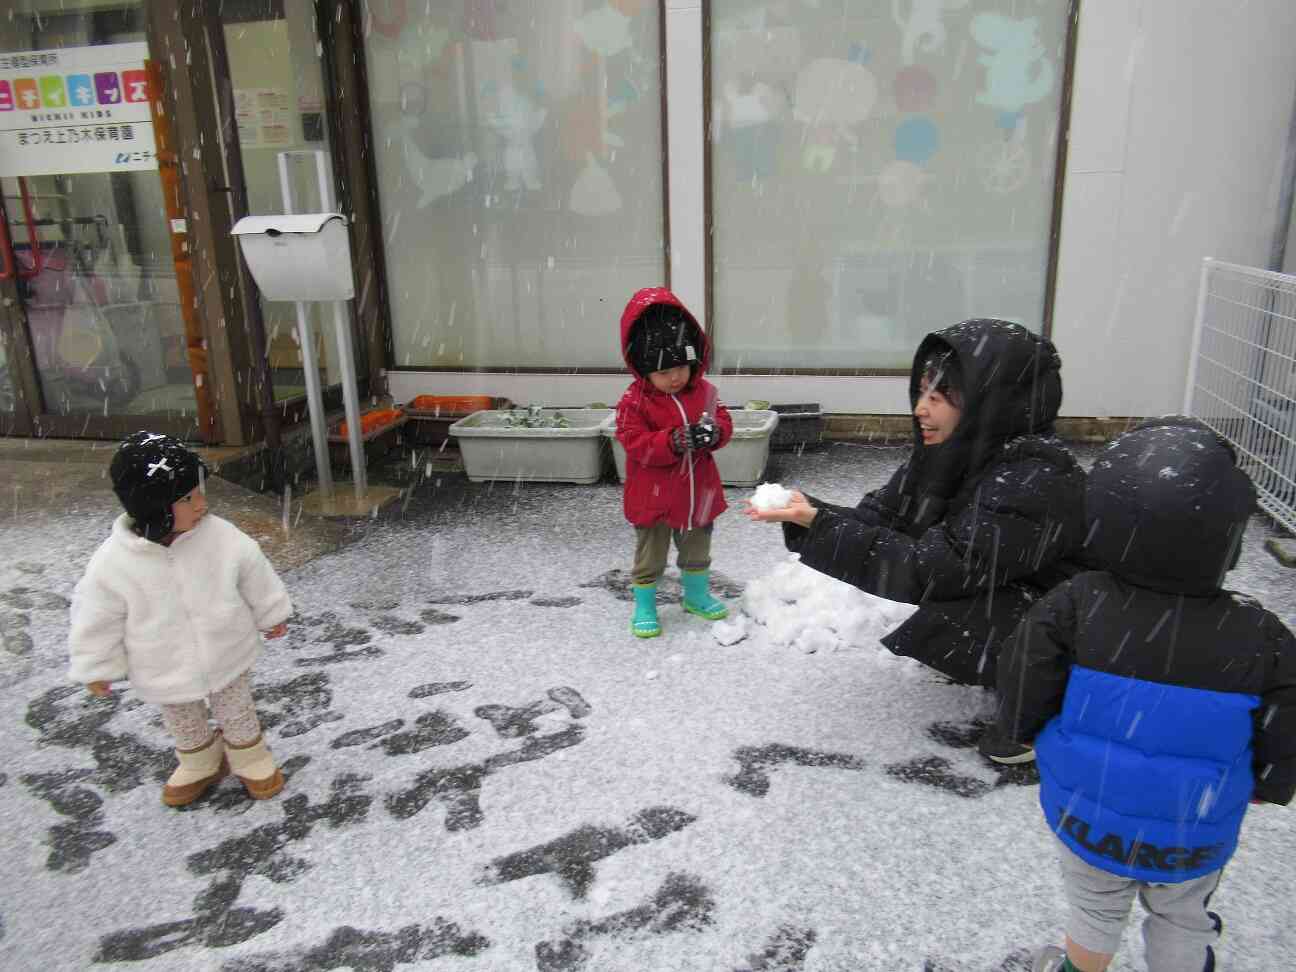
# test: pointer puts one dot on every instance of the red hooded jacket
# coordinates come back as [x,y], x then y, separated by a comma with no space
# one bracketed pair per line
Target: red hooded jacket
[662,486]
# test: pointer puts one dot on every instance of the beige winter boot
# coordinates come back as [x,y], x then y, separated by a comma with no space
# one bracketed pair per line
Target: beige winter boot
[254,765]
[199,770]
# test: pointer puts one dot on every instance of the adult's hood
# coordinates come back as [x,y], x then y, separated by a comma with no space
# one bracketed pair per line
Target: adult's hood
[1010,381]
[1167,506]
[1012,377]
[646,298]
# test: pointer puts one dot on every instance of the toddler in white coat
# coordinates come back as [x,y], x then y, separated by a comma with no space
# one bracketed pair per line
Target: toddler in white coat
[175,600]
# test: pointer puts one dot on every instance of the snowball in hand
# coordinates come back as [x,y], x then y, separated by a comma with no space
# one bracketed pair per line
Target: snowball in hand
[771,496]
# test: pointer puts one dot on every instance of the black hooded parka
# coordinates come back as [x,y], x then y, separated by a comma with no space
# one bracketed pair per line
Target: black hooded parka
[974,529]
[1167,508]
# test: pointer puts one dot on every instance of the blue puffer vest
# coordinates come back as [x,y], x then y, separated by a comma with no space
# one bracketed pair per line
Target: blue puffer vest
[1146,779]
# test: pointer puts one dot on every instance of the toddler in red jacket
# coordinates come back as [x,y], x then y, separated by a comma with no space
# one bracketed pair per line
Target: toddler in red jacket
[670,421]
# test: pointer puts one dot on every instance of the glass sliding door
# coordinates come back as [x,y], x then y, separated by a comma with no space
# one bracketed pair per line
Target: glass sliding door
[878,169]
[273,53]
[87,246]
[519,159]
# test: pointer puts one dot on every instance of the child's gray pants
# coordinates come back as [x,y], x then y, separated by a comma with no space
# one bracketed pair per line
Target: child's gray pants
[652,546]
[1177,931]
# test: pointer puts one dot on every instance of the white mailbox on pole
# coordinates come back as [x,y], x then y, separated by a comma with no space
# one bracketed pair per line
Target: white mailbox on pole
[307,257]
[303,256]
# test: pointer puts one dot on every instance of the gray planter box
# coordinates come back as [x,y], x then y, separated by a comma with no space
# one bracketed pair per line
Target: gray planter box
[743,459]
[492,450]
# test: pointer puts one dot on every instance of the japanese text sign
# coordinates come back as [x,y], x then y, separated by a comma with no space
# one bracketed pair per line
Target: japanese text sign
[75,110]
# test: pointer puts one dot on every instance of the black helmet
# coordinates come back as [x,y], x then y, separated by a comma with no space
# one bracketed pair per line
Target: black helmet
[663,337]
[150,472]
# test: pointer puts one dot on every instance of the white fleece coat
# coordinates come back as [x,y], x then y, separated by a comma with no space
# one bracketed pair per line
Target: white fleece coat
[181,621]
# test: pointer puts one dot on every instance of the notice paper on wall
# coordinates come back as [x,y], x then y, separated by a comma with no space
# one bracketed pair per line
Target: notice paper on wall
[75,110]
[263,117]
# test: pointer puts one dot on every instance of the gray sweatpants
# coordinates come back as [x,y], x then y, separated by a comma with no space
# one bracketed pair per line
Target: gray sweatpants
[1177,931]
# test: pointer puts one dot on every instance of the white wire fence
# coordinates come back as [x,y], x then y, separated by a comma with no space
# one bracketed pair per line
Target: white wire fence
[1242,375]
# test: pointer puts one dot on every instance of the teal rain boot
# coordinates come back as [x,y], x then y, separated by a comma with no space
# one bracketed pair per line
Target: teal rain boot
[697,595]
[645,623]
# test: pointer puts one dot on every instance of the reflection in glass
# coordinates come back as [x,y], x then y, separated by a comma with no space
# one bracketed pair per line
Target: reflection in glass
[878,171]
[93,254]
[278,96]
[99,292]
[519,159]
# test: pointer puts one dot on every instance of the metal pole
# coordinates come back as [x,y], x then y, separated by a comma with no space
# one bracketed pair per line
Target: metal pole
[310,364]
[346,353]
[285,186]
[350,396]
[1286,190]
[325,183]
[321,176]
[1195,349]
[314,400]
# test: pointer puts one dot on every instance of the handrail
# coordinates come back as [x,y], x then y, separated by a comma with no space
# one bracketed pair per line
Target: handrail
[8,259]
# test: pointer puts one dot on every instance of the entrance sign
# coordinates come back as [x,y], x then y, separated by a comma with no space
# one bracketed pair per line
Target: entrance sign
[75,110]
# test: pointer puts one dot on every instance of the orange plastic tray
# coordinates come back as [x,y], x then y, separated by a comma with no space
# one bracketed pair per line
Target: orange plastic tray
[373,421]
[449,404]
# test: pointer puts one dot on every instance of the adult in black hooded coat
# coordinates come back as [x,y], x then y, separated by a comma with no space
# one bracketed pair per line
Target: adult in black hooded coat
[975,525]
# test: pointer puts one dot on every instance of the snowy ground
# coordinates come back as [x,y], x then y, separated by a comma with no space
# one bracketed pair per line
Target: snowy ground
[488,773]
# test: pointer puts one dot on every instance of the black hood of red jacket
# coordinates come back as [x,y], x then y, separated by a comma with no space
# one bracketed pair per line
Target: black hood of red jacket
[640,302]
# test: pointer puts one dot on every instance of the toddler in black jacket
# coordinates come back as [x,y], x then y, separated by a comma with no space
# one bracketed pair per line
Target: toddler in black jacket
[1159,704]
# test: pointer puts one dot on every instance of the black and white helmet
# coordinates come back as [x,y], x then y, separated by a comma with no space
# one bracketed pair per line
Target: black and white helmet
[150,472]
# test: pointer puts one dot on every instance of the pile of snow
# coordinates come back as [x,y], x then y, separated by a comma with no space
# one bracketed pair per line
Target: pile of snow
[798,607]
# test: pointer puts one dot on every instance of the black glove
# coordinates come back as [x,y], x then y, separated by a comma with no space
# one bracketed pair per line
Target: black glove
[679,440]
[703,433]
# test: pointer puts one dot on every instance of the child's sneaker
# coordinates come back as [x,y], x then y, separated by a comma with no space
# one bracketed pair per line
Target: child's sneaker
[997,749]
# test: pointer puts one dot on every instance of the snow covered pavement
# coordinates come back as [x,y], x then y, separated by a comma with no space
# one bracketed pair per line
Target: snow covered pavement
[487,772]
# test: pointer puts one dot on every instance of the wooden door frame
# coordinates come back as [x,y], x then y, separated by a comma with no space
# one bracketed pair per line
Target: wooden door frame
[200,100]
[180,39]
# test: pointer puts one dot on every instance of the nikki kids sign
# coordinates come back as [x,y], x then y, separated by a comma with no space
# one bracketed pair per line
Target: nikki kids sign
[75,110]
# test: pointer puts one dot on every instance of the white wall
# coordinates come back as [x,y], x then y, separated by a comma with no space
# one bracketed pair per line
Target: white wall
[1180,111]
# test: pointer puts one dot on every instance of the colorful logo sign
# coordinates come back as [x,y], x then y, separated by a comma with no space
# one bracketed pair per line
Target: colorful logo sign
[76,109]
[27,94]
[135,84]
[81,93]
[74,90]
[107,88]
[52,91]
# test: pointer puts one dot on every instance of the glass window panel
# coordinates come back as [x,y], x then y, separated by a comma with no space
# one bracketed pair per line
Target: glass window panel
[879,170]
[98,284]
[274,63]
[519,158]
